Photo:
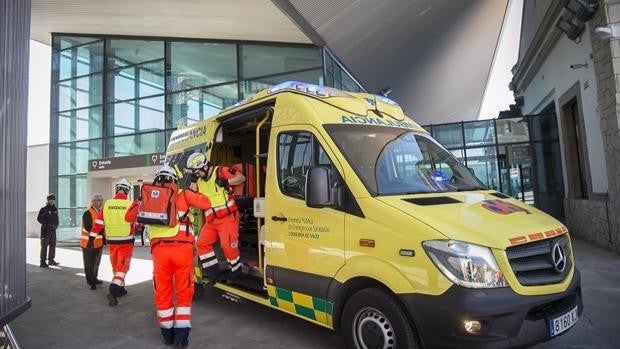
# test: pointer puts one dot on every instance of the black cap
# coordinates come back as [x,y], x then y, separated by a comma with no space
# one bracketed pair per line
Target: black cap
[51,197]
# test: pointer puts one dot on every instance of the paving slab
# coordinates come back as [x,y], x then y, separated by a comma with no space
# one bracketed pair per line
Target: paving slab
[65,313]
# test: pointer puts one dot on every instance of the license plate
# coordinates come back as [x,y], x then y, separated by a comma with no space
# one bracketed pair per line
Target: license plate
[562,323]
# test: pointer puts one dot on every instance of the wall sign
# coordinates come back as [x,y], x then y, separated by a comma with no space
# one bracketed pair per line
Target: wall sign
[155,159]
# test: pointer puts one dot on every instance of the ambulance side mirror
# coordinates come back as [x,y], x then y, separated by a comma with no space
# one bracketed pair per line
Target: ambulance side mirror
[319,187]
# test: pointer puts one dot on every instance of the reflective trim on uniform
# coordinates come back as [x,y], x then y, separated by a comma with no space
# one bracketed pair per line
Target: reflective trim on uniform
[207,255]
[120,238]
[119,273]
[182,323]
[165,312]
[183,311]
[235,267]
[183,229]
[166,324]
[93,234]
[84,237]
[117,281]
[209,263]
[234,260]
[99,221]
[227,206]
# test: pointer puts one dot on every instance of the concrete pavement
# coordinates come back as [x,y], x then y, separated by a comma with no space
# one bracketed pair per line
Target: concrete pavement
[66,314]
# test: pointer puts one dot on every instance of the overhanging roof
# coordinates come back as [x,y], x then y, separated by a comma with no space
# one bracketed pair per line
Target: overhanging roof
[258,20]
[436,55]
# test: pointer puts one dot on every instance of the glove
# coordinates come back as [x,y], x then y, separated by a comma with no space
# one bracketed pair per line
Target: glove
[222,182]
[90,244]
[194,178]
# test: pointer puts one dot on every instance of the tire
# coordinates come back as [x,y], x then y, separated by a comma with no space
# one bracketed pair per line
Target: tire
[199,291]
[373,319]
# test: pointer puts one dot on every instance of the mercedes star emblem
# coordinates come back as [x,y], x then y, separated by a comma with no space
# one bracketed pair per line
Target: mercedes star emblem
[558,255]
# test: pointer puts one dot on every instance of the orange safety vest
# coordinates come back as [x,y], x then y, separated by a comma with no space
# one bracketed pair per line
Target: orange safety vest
[98,242]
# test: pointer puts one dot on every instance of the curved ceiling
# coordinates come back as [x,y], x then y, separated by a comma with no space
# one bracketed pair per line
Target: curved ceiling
[258,20]
[435,55]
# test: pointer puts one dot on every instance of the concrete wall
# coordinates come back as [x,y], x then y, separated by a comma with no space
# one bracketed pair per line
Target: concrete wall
[533,14]
[38,186]
[553,79]
[543,76]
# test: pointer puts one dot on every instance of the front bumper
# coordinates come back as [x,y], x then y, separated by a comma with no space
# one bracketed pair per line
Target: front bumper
[508,319]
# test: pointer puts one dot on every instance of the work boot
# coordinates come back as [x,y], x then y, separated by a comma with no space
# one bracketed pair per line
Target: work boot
[167,335]
[112,301]
[43,265]
[213,275]
[93,287]
[181,336]
[98,282]
[123,291]
[53,262]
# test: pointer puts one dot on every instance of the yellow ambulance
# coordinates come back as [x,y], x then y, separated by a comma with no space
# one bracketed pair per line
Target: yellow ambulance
[366,225]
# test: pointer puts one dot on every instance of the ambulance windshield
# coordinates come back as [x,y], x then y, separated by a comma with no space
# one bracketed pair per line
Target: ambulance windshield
[396,161]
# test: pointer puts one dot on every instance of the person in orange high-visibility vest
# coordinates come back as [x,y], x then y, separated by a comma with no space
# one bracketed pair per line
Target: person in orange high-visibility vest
[222,220]
[91,249]
[172,249]
[119,236]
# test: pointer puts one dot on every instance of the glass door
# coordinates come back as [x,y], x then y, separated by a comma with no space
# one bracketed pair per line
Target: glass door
[515,165]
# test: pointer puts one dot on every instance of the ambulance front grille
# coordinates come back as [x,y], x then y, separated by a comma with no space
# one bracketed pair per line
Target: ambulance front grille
[533,263]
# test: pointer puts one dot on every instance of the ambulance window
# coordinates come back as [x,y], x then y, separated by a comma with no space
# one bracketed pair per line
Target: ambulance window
[297,153]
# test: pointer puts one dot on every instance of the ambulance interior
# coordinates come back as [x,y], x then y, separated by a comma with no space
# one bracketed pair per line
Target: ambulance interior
[244,139]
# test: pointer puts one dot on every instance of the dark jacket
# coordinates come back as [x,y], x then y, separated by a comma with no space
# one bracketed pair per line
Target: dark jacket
[48,217]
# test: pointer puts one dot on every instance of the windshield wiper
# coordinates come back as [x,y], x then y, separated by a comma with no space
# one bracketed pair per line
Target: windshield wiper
[471,189]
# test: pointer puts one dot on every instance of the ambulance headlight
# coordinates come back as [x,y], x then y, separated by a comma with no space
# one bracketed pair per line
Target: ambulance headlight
[465,264]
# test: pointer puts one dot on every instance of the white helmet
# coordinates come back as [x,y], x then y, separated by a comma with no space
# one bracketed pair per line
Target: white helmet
[197,161]
[166,173]
[122,184]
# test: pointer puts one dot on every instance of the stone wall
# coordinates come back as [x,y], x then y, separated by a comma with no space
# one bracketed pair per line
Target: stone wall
[606,56]
[588,219]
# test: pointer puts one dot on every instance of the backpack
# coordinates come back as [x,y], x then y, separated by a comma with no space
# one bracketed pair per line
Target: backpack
[158,204]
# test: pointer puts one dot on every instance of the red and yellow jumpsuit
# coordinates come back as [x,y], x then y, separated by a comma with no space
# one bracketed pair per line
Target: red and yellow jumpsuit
[222,221]
[120,238]
[172,249]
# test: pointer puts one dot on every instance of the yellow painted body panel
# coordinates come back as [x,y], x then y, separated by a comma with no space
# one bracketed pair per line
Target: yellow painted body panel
[326,241]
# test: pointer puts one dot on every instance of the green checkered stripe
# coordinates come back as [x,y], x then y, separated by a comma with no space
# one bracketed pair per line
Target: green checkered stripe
[313,308]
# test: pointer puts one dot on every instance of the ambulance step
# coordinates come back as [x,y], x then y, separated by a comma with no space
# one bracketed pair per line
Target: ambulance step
[248,283]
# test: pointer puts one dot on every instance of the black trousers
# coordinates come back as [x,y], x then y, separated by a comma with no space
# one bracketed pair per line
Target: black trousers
[91,257]
[48,240]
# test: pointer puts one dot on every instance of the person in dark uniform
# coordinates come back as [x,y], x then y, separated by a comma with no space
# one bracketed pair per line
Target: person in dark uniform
[48,217]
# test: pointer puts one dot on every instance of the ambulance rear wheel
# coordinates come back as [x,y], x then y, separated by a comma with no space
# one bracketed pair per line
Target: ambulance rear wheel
[374,319]
[198,290]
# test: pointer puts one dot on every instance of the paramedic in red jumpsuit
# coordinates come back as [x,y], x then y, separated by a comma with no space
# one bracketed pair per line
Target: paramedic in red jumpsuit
[222,220]
[119,235]
[172,249]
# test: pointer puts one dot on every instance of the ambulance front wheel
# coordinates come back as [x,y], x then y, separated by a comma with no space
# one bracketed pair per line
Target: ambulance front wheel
[374,319]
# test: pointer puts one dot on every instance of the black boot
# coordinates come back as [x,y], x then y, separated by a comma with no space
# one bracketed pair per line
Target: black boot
[212,274]
[115,292]
[167,335]
[181,337]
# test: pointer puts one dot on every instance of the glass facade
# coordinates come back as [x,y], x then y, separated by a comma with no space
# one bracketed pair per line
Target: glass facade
[117,96]
[517,156]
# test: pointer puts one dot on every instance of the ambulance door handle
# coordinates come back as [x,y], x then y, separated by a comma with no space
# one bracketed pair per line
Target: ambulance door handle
[278,219]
